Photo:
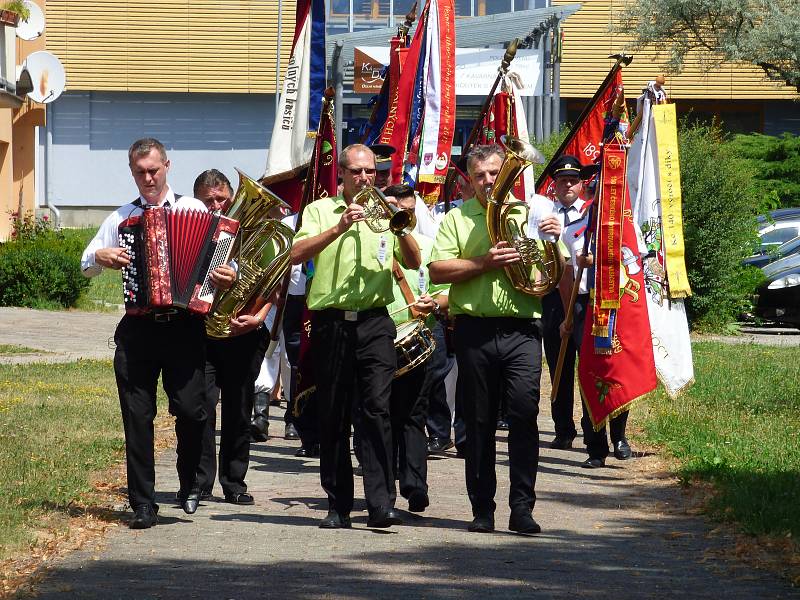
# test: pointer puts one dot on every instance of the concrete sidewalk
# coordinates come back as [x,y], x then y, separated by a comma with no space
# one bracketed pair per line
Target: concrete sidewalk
[619,532]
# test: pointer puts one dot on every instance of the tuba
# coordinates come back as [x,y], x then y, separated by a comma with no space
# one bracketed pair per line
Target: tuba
[543,255]
[261,251]
[380,215]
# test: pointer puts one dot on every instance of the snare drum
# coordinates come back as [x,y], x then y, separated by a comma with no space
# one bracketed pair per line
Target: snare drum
[413,343]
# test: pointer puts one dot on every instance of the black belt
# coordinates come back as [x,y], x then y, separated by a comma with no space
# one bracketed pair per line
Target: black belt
[355,316]
[499,323]
[168,315]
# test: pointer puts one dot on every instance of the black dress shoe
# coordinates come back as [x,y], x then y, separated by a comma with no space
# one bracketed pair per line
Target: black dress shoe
[358,471]
[259,429]
[190,502]
[290,432]
[205,494]
[483,524]
[335,521]
[622,450]
[461,450]
[521,521]
[593,463]
[439,445]
[240,498]
[418,501]
[381,518]
[308,451]
[502,424]
[562,442]
[144,517]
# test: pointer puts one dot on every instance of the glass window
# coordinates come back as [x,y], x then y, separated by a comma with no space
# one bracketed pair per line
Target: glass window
[776,237]
[491,7]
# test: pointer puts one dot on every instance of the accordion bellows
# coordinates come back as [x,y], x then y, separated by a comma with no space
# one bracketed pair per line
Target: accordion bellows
[173,253]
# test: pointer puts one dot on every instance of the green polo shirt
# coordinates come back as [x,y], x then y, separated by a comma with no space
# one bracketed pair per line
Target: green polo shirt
[463,234]
[348,273]
[415,277]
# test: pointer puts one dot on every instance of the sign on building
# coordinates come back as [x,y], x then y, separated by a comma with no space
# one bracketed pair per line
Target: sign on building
[476,70]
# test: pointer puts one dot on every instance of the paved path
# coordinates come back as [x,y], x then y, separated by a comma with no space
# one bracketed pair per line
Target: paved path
[619,532]
[62,336]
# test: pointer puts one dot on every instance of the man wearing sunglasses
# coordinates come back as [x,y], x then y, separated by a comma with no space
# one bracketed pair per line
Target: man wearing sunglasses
[352,338]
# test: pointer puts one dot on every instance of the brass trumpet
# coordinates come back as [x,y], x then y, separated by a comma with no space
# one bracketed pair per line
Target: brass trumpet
[380,215]
[544,256]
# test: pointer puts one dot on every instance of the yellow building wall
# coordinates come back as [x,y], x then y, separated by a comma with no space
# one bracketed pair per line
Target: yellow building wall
[6,173]
[587,43]
[170,45]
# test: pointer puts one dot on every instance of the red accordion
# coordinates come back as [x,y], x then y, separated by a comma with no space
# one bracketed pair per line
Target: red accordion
[173,253]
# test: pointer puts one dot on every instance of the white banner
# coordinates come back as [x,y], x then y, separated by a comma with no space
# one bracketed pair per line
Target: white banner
[476,69]
[290,146]
[669,327]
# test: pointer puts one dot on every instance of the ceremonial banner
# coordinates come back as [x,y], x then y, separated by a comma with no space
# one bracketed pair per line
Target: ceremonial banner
[613,187]
[440,96]
[587,134]
[291,145]
[669,327]
[666,127]
[610,382]
[323,176]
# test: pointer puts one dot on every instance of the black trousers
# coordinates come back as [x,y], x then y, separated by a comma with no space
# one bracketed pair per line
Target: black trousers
[306,422]
[596,441]
[491,352]
[354,359]
[409,408]
[438,366]
[561,409]
[232,366]
[176,351]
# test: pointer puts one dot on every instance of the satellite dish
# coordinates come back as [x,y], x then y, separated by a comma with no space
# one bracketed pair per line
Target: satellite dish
[34,26]
[47,76]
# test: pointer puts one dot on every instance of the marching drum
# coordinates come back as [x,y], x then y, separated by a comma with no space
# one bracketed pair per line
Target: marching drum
[413,343]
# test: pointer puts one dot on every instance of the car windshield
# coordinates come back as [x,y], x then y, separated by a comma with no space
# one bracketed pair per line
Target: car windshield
[789,247]
[790,262]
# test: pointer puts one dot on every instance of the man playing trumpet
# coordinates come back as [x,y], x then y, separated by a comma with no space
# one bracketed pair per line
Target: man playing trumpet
[352,338]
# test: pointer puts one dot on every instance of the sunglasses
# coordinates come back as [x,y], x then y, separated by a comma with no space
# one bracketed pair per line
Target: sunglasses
[355,171]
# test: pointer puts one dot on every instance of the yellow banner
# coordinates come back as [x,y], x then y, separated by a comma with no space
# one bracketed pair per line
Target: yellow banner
[670,181]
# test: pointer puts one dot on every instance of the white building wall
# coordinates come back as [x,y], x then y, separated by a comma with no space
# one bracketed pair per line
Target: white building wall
[92,131]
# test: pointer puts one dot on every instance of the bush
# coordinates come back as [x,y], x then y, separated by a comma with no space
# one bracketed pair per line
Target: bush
[776,165]
[720,202]
[40,267]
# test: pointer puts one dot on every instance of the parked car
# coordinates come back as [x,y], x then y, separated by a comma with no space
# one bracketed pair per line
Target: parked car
[778,299]
[782,251]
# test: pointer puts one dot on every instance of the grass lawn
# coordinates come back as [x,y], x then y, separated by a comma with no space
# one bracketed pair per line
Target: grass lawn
[738,427]
[105,290]
[59,423]
[13,349]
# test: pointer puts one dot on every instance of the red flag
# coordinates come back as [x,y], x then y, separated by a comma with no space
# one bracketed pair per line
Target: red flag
[323,180]
[616,369]
[584,141]
[500,120]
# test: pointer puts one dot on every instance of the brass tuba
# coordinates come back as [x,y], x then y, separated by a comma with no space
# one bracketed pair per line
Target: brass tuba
[261,251]
[543,255]
[380,215]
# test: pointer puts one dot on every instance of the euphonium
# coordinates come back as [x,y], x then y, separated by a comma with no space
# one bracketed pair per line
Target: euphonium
[261,253]
[380,215]
[543,255]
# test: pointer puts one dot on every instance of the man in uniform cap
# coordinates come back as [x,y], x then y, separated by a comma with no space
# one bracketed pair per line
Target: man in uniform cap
[383,164]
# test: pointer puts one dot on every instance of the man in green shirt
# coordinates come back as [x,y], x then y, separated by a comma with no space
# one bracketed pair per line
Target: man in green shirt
[352,338]
[498,347]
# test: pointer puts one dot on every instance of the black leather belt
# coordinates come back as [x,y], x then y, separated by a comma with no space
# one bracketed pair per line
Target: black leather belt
[166,316]
[355,316]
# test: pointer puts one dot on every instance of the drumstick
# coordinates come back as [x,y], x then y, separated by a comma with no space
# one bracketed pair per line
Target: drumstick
[407,306]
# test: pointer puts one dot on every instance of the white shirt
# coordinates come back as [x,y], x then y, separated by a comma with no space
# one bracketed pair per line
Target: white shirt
[430,217]
[108,234]
[574,221]
[297,281]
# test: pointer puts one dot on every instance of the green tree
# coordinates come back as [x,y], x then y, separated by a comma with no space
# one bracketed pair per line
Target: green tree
[765,33]
[775,162]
